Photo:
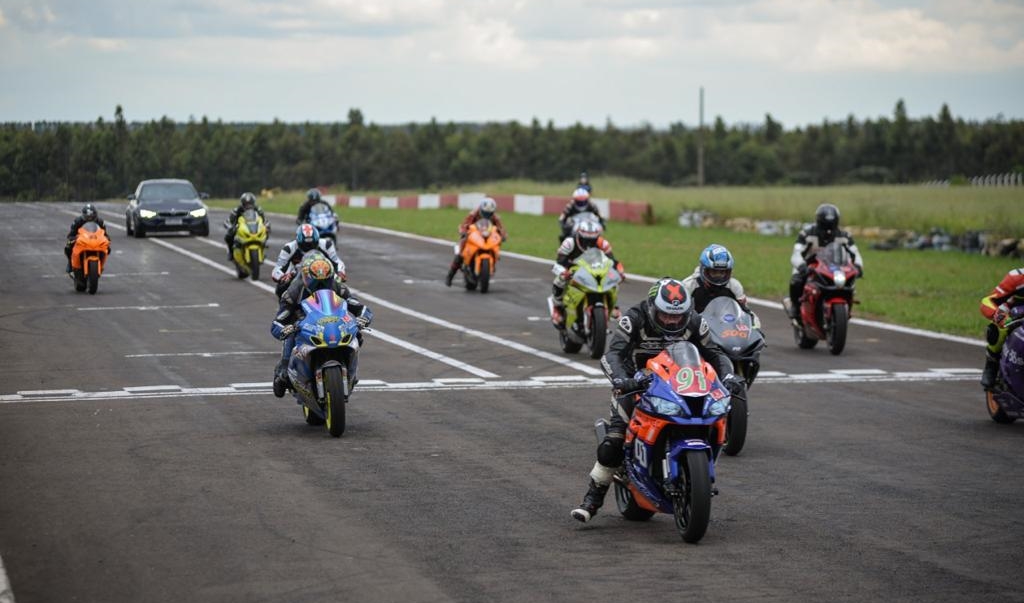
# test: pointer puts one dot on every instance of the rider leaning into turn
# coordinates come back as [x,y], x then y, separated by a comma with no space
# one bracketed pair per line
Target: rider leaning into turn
[312,198]
[713,278]
[246,202]
[487,210]
[586,235]
[307,238]
[317,272]
[580,203]
[996,307]
[89,214]
[665,317]
[811,239]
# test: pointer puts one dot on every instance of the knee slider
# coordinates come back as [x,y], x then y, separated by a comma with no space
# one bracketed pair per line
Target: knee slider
[609,451]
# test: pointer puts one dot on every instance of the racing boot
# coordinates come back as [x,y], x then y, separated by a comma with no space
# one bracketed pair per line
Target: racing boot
[281,381]
[592,501]
[558,315]
[988,374]
[456,264]
[792,309]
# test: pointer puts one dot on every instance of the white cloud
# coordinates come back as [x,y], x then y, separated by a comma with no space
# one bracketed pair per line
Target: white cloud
[3,21]
[107,44]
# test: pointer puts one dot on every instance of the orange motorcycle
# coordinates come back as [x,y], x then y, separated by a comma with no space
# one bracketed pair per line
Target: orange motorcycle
[88,256]
[480,254]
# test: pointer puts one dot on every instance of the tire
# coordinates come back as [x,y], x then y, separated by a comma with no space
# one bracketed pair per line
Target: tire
[139,231]
[204,231]
[692,509]
[254,264]
[311,417]
[837,330]
[568,346]
[802,341]
[334,390]
[485,275]
[736,426]
[995,412]
[598,332]
[79,281]
[128,227]
[627,505]
[93,277]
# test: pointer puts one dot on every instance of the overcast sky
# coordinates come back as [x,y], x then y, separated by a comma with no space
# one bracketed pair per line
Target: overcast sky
[628,61]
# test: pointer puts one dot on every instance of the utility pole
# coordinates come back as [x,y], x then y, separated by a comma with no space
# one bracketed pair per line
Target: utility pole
[700,142]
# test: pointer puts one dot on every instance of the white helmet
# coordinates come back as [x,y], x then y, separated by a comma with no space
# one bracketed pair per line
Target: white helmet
[487,207]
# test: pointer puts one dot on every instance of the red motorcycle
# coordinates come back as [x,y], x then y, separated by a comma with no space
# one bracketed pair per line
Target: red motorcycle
[827,299]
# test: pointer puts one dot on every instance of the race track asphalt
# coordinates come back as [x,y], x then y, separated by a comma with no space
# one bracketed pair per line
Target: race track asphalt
[144,458]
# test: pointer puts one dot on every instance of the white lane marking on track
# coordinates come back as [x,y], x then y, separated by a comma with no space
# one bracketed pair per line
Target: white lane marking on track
[111,275]
[376,333]
[858,371]
[6,592]
[144,308]
[450,384]
[202,354]
[647,279]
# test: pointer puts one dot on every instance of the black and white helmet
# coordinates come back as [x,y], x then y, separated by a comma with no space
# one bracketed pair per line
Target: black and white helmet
[669,306]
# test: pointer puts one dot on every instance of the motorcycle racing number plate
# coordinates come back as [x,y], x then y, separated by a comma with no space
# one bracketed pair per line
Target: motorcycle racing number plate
[691,381]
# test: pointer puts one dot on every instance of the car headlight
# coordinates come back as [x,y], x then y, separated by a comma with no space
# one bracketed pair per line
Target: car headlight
[198,213]
[145,213]
[839,278]
[666,407]
[719,407]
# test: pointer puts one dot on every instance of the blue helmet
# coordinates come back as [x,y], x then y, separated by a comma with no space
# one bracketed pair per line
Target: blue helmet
[715,266]
[307,237]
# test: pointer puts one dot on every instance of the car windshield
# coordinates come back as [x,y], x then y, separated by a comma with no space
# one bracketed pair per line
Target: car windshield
[166,191]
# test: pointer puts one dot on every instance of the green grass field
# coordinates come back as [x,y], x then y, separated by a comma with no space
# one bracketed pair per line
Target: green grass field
[931,290]
[919,208]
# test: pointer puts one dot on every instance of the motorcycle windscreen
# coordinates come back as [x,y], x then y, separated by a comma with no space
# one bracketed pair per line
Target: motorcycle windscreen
[834,255]
[731,327]
[484,226]
[321,215]
[251,219]
[681,365]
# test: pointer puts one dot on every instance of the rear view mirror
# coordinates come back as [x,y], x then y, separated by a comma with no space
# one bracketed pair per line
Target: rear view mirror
[131,196]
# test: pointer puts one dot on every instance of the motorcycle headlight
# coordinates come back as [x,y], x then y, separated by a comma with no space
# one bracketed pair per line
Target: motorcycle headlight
[719,407]
[147,214]
[666,407]
[839,278]
[198,213]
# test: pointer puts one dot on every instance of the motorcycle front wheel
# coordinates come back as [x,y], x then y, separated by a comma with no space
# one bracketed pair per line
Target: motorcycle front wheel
[334,390]
[837,329]
[485,275]
[736,427]
[692,508]
[598,332]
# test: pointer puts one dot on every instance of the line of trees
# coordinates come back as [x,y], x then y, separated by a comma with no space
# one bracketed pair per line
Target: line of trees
[51,160]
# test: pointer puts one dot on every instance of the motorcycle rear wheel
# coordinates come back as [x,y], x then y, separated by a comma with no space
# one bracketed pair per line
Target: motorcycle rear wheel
[627,505]
[995,411]
[803,341]
[311,417]
[334,391]
[568,345]
[692,509]
[837,329]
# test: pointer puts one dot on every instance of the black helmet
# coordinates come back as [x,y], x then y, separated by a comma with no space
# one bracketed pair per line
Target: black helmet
[669,306]
[584,177]
[826,218]
[313,195]
[89,212]
[247,200]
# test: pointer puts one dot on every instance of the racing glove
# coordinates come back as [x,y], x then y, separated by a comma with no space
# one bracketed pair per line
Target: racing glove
[622,386]
[733,383]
